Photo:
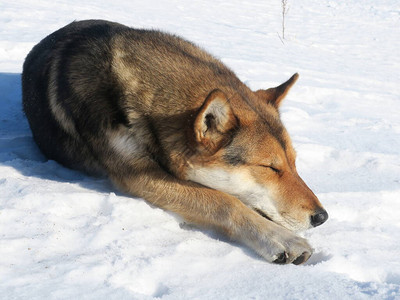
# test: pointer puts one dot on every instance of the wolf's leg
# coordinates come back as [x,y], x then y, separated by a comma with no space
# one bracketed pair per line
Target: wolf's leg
[210,208]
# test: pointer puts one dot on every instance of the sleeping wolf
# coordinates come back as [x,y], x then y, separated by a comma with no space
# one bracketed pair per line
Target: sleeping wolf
[168,122]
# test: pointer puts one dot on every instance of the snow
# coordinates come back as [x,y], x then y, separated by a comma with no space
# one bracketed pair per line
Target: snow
[64,235]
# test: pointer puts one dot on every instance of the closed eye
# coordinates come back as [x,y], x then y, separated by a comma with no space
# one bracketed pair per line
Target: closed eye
[271,168]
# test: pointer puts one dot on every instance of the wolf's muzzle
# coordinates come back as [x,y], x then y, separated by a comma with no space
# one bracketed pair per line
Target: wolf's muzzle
[319,218]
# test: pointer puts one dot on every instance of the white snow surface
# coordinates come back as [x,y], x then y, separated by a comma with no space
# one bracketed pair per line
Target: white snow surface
[65,235]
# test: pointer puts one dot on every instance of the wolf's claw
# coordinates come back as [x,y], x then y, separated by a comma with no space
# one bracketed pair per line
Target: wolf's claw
[282,258]
[302,258]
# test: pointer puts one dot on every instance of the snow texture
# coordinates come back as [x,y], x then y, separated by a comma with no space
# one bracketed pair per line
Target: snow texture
[64,235]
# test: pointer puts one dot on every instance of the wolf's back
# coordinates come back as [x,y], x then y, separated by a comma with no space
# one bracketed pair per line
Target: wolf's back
[47,94]
[91,77]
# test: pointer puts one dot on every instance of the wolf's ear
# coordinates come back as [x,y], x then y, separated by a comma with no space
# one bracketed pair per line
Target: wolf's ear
[214,121]
[275,95]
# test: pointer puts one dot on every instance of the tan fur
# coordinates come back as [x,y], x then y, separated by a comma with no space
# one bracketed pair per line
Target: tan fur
[170,123]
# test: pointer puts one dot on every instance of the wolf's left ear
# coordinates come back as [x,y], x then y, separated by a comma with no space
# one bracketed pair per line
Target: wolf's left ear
[275,95]
[214,121]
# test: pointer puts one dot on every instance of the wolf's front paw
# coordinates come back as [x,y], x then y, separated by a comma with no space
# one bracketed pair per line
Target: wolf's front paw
[286,247]
[296,251]
[278,245]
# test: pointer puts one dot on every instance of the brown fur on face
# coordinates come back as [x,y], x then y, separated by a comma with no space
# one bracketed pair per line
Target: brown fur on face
[261,152]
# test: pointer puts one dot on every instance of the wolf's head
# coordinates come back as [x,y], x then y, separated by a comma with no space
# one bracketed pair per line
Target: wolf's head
[243,149]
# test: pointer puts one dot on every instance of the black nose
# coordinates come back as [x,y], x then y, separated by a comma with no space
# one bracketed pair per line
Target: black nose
[319,218]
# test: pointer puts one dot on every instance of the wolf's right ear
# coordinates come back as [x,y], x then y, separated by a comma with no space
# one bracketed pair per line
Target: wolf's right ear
[214,121]
[275,95]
